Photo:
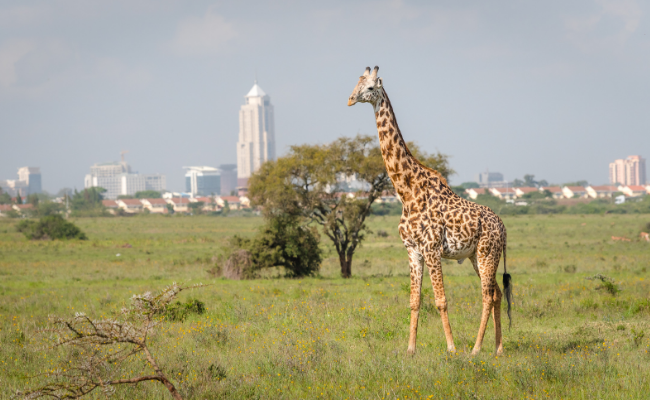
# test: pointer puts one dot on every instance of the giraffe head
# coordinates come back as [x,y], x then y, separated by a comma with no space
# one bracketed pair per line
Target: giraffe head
[368,90]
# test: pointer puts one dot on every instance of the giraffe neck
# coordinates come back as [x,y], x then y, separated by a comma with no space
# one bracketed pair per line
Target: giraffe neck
[397,157]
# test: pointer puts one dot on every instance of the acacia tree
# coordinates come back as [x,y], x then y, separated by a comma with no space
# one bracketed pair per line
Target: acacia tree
[310,181]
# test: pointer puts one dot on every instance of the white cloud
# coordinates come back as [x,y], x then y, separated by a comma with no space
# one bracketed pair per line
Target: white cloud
[10,53]
[202,35]
[609,27]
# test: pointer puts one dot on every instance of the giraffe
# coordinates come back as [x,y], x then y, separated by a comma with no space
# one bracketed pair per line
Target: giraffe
[436,223]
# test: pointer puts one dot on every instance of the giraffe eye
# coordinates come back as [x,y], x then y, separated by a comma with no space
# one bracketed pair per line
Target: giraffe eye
[370,88]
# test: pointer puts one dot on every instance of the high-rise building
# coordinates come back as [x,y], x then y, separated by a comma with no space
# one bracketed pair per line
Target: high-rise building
[490,179]
[118,179]
[630,171]
[32,177]
[228,178]
[28,182]
[256,143]
[203,181]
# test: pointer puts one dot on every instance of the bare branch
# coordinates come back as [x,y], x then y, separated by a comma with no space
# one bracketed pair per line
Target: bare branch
[92,368]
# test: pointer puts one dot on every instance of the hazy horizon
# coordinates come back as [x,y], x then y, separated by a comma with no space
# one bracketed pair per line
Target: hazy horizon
[552,89]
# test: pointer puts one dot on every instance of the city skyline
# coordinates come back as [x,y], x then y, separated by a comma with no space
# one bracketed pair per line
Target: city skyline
[505,86]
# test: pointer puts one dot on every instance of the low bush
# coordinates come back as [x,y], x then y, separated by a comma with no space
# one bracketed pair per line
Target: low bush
[282,242]
[50,227]
[386,208]
[178,312]
[239,266]
[607,284]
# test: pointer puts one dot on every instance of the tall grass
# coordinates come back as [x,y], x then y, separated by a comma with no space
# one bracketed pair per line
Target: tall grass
[327,337]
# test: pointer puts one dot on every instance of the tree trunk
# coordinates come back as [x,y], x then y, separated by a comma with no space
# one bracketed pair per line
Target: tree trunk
[346,266]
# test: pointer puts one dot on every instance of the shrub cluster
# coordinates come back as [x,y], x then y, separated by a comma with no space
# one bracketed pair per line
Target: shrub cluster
[178,312]
[50,227]
[282,242]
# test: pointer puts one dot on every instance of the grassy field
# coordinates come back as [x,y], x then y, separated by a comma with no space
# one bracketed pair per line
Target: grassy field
[327,337]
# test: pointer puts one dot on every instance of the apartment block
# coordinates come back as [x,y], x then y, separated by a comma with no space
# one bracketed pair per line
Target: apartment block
[628,171]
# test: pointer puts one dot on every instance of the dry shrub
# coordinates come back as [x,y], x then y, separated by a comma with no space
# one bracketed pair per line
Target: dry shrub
[239,265]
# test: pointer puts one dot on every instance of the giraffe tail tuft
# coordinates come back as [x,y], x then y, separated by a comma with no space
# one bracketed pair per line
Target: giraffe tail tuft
[507,286]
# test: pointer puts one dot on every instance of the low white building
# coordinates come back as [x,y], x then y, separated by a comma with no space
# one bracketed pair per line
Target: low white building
[633,190]
[180,204]
[571,192]
[505,193]
[130,205]
[156,206]
[522,191]
[473,193]
[556,191]
[596,192]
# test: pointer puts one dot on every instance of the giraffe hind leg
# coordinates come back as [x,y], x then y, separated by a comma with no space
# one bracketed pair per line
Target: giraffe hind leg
[496,315]
[487,271]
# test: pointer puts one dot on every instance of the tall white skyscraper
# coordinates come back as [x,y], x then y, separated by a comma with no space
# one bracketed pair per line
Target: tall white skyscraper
[256,143]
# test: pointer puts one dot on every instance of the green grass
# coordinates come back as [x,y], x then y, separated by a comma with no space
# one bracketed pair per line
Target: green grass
[327,337]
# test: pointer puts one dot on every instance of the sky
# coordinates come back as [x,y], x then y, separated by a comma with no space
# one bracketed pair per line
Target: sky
[556,89]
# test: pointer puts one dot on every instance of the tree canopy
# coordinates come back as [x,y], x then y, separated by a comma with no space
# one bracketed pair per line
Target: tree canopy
[88,202]
[313,183]
[148,194]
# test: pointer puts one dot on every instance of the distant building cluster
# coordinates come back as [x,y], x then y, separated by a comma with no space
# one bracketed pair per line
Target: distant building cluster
[562,192]
[177,203]
[628,171]
[28,182]
[491,179]
[118,179]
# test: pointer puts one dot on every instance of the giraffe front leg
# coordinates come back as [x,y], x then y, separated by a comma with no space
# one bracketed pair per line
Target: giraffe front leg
[435,273]
[415,264]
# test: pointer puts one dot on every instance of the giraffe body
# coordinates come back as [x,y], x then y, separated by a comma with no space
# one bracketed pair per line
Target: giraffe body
[436,223]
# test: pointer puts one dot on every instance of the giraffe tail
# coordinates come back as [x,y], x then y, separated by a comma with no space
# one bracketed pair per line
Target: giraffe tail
[507,285]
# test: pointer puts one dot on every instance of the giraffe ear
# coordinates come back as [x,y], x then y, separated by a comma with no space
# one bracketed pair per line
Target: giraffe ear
[380,82]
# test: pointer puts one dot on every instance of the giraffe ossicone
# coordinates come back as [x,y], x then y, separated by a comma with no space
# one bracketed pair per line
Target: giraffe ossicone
[436,223]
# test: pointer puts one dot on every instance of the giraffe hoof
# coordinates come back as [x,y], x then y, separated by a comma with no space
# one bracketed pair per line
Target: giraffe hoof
[451,349]
[410,351]
[475,352]
[499,352]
